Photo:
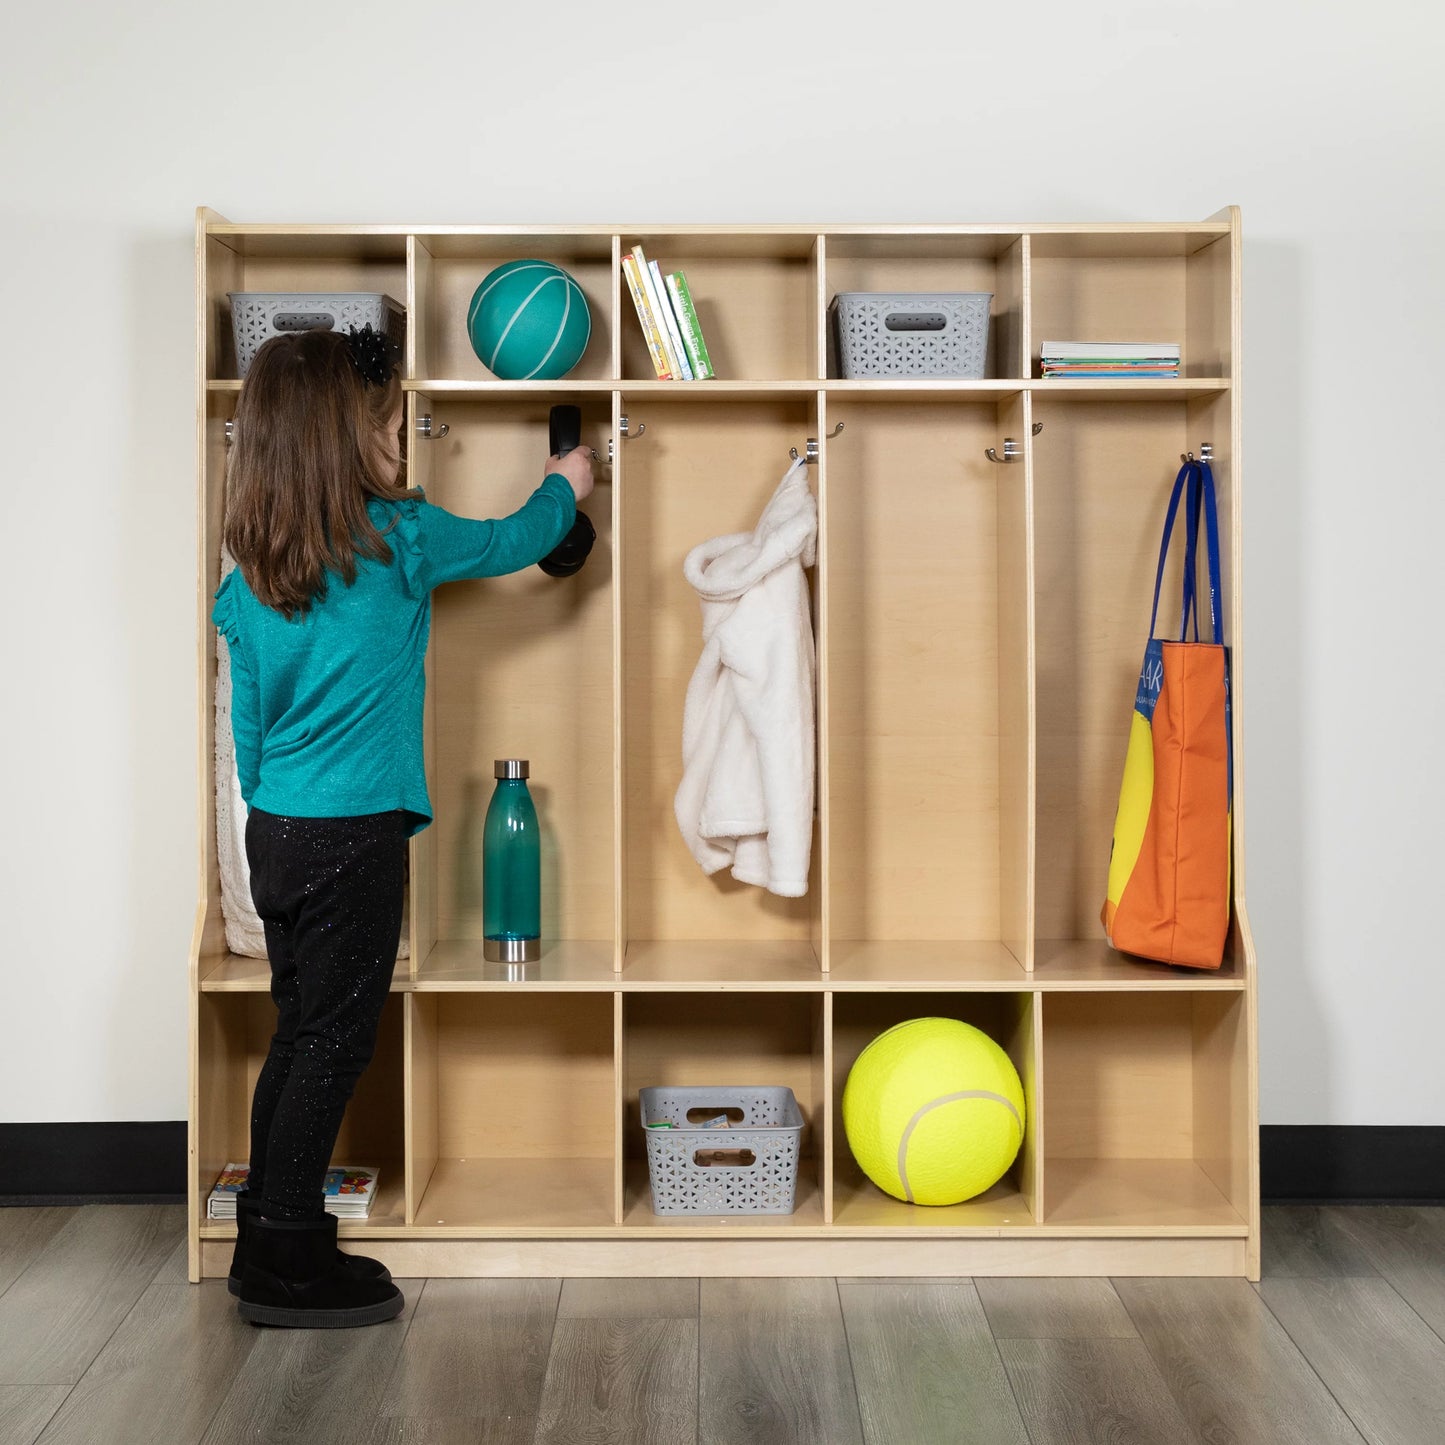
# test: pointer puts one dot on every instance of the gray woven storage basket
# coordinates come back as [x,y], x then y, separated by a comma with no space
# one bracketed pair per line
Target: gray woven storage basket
[700,1171]
[921,333]
[257,316]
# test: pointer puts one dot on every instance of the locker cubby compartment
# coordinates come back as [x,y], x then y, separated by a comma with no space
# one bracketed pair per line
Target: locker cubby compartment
[448,270]
[282,261]
[511,1120]
[685,1040]
[1008,1019]
[518,666]
[1103,472]
[1146,1103]
[703,468]
[1166,284]
[992,263]
[926,680]
[235,1032]
[756,298]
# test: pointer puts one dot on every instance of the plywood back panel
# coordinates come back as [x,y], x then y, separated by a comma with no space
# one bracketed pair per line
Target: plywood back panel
[523,1076]
[523,668]
[1102,478]
[1119,1076]
[697,1040]
[701,469]
[1107,298]
[913,664]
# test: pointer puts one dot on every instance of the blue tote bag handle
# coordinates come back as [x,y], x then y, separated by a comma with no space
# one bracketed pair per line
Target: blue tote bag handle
[1194,488]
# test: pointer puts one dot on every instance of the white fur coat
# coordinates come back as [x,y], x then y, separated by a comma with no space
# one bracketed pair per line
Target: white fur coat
[748,750]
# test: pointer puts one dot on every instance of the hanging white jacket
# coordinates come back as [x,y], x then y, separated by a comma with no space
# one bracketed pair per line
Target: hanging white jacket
[748,753]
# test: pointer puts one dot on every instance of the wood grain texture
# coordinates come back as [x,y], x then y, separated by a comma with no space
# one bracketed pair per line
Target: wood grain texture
[438,1430]
[24,1233]
[477,1349]
[1229,1365]
[1092,1390]
[1376,1356]
[312,1387]
[621,1299]
[629,1381]
[968,772]
[1406,1243]
[926,1368]
[163,1374]
[1310,1241]
[773,1365]
[24,1409]
[1055,1309]
[59,1313]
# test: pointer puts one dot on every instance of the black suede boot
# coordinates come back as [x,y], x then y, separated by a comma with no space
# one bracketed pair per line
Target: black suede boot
[292,1277]
[248,1207]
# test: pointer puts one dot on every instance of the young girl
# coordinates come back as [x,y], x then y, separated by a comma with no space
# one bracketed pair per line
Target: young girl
[326,618]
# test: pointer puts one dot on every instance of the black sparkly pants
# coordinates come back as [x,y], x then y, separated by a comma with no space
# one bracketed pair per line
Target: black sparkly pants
[329,892]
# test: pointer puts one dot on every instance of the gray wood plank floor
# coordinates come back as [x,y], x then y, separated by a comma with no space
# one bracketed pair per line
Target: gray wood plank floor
[1343,1340]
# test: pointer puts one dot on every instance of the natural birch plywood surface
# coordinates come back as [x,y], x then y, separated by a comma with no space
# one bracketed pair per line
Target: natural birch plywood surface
[525,1076]
[980,629]
[700,470]
[454,272]
[756,307]
[991,264]
[1102,479]
[913,636]
[234,1035]
[501,647]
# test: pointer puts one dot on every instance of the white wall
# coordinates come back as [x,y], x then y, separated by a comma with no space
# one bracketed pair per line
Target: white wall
[1323,122]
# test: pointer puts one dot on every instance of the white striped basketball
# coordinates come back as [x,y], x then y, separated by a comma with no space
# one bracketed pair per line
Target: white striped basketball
[529,321]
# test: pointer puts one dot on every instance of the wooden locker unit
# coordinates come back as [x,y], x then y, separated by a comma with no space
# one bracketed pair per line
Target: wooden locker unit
[979,629]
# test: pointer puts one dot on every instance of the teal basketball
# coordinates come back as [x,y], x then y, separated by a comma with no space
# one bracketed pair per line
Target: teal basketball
[529,321]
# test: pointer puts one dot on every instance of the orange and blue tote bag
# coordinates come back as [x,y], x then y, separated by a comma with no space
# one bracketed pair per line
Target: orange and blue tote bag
[1169,871]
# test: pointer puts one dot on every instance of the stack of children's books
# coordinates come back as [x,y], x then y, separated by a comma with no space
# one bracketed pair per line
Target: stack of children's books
[349,1191]
[669,319]
[1092,360]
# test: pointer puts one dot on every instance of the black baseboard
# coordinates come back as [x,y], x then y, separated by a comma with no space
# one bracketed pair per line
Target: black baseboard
[1299,1163]
[1352,1164]
[90,1163]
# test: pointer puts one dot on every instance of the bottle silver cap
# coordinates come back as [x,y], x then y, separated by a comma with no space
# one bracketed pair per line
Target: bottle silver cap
[511,768]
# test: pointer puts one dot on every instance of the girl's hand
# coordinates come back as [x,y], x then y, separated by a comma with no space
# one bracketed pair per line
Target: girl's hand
[576,466]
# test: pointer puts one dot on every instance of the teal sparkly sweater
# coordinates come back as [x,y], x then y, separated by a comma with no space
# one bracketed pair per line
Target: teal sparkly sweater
[326,709]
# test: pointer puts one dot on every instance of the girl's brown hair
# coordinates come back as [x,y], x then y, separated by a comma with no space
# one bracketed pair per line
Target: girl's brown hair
[304,460]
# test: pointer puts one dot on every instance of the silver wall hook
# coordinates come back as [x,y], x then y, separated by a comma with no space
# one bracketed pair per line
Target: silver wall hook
[1012,451]
[230,432]
[810,454]
[622,426]
[1206,453]
[427,429]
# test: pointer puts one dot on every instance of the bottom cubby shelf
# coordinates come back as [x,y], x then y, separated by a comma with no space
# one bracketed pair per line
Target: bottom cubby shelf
[513,1116]
[535,1196]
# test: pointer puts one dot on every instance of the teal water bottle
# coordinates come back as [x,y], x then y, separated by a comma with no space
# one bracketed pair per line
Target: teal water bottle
[511,870]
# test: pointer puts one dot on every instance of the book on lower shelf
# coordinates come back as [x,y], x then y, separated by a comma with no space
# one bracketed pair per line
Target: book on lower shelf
[668,317]
[1093,360]
[349,1191]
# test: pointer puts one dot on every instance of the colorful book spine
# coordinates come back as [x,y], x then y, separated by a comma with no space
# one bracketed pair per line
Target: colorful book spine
[688,324]
[674,366]
[650,330]
[674,335]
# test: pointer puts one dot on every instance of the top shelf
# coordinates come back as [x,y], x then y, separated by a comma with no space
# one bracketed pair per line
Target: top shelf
[763,296]
[360,242]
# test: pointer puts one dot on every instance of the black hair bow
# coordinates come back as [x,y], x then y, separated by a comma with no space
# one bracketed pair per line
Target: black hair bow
[373,353]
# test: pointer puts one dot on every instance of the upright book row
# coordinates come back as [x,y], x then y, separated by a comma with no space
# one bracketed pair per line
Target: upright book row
[669,319]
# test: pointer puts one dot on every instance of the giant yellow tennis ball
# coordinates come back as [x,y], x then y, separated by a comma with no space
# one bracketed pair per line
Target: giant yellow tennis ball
[934,1111]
